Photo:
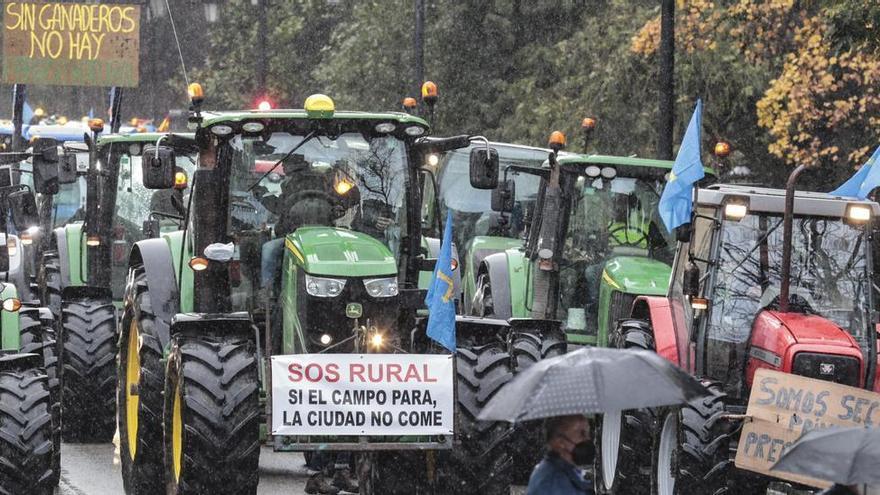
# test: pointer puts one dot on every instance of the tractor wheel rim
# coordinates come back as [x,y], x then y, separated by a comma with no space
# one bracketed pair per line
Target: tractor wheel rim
[177,436]
[610,446]
[132,378]
[665,453]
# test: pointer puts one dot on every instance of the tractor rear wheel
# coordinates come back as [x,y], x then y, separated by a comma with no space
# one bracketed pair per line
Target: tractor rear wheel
[38,337]
[26,450]
[624,438]
[212,417]
[50,283]
[482,463]
[88,333]
[141,377]
[691,448]
[527,441]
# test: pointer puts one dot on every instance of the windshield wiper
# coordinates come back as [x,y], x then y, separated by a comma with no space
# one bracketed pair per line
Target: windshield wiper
[309,136]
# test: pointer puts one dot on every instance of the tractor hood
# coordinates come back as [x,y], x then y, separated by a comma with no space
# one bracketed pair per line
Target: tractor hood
[340,253]
[637,275]
[813,329]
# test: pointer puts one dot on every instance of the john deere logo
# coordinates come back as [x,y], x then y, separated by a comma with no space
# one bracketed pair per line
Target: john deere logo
[826,368]
[354,310]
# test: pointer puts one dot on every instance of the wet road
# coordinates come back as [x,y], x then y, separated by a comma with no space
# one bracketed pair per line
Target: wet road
[89,470]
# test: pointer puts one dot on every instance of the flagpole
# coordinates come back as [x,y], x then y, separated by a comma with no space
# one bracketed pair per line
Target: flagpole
[19,93]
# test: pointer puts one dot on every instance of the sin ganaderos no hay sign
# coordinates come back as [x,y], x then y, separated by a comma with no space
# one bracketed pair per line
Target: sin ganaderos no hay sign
[70,44]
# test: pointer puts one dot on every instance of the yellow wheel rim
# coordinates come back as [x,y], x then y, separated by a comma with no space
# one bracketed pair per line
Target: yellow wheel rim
[132,400]
[176,435]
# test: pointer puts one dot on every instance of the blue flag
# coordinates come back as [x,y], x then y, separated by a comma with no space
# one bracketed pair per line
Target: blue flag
[863,181]
[676,202]
[92,112]
[27,114]
[441,294]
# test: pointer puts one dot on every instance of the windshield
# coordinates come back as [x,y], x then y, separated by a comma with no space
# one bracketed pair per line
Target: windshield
[617,217]
[134,202]
[351,181]
[829,278]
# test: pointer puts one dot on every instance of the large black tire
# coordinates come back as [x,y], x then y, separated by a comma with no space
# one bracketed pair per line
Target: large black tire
[26,450]
[482,463]
[691,447]
[527,441]
[50,283]
[37,331]
[141,445]
[634,429]
[88,334]
[212,389]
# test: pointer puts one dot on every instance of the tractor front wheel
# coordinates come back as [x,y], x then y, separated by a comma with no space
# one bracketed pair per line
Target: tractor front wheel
[88,333]
[212,417]
[26,443]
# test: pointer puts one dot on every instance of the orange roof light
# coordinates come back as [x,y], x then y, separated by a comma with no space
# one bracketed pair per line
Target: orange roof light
[429,92]
[588,124]
[409,102]
[180,180]
[196,93]
[96,125]
[722,149]
[557,140]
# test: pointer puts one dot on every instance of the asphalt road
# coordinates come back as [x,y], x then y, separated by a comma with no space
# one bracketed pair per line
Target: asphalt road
[89,470]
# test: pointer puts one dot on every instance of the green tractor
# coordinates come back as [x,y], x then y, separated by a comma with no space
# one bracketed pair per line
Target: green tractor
[84,260]
[594,243]
[302,244]
[30,419]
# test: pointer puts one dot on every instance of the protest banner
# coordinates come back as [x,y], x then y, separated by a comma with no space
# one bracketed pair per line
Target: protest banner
[783,406]
[362,394]
[70,44]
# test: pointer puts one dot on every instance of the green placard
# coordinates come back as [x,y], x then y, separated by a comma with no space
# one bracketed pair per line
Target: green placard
[71,44]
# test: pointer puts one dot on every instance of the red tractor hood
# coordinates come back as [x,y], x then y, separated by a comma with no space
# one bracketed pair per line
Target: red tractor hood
[812,329]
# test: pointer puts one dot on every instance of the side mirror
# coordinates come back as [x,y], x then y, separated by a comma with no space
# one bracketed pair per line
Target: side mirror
[45,160]
[158,167]
[4,257]
[683,233]
[690,286]
[151,228]
[484,168]
[24,209]
[67,169]
[503,196]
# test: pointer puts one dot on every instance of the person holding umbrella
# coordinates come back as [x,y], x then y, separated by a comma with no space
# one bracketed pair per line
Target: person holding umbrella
[568,446]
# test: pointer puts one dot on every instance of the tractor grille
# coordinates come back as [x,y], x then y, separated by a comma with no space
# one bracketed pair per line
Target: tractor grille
[621,307]
[828,367]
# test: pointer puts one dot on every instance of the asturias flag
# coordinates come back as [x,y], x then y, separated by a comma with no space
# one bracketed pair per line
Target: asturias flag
[441,294]
[862,182]
[676,201]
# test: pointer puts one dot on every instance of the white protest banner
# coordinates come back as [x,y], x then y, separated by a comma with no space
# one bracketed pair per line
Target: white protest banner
[784,406]
[363,394]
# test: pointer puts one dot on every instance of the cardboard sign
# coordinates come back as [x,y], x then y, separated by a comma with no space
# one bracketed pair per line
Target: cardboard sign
[362,394]
[784,406]
[71,44]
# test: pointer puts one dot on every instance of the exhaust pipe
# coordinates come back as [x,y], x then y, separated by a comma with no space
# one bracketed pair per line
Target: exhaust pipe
[788,218]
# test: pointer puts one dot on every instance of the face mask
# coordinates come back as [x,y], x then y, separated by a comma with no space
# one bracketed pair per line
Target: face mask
[583,453]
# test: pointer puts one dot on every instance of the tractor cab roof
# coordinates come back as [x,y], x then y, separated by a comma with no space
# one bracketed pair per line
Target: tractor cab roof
[626,166]
[181,141]
[767,200]
[300,121]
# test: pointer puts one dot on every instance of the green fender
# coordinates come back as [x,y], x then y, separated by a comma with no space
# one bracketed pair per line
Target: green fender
[174,240]
[477,249]
[518,267]
[70,239]
[10,338]
[633,275]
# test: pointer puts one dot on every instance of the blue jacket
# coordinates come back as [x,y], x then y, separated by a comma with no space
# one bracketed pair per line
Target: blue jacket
[554,476]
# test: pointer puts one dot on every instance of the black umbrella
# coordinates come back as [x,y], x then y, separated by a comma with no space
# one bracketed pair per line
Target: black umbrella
[592,380]
[849,456]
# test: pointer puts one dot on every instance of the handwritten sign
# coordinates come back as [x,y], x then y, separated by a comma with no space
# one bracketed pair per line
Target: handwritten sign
[71,44]
[784,406]
[362,394]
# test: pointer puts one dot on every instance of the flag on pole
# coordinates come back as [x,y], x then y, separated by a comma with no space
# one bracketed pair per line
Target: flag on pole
[676,202]
[441,294]
[863,181]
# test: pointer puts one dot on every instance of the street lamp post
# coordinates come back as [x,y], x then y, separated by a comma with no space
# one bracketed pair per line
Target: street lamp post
[262,44]
[666,121]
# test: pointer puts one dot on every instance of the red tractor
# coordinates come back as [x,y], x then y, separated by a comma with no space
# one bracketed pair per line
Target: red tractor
[763,278]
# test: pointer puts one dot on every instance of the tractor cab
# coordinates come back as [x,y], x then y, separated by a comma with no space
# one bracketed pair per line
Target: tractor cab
[730,282]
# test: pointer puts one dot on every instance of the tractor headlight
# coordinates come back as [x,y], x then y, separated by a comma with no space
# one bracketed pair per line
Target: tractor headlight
[381,287]
[324,287]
